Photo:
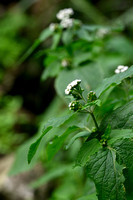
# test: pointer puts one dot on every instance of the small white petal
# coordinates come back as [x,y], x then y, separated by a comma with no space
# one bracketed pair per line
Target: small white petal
[126,68]
[69,87]
[117,71]
[67,91]
[120,67]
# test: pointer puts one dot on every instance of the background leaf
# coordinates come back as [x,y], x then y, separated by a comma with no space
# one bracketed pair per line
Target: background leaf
[113,81]
[55,122]
[55,145]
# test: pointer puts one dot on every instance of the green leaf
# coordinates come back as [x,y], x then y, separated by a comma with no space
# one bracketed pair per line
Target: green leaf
[55,122]
[124,149]
[117,134]
[20,164]
[83,34]
[107,175]
[67,36]
[45,34]
[54,146]
[89,197]
[121,118]
[81,57]
[113,81]
[88,149]
[56,39]
[51,174]
[51,71]
[80,134]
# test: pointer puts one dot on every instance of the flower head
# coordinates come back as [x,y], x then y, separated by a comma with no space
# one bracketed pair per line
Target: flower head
[121,68]
[65,13]
[74,105]
[71,86]
[66,23]
[92,96]
[52,26]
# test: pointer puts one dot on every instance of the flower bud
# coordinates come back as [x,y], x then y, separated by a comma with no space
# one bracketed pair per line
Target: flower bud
[92,96]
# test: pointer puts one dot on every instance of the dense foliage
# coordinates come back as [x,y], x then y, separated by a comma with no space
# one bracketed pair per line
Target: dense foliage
[85,137]
[97,131]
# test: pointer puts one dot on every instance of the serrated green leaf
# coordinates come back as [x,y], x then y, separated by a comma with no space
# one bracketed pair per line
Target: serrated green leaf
[124,149]
[107,175]
[80,134]
[54,122]
[88,149]
[54,146]
[121,118]
[117,134]
[113,81]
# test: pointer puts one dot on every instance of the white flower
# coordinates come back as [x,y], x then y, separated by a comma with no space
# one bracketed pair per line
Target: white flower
[52,26]
[117,71]
[124,69]
[65,13]
[75,82]
[66,23]
[71,86]
[64,63]
[71,105]
[67,91]
[121,68]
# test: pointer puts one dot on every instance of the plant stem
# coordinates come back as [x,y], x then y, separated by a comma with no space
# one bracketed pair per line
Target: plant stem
[91,113]
[94,119]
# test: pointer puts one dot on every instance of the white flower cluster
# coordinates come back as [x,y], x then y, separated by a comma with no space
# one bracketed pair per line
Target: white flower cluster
[121,68]
[64,16]
[67,23]
[65,13]
[71,86]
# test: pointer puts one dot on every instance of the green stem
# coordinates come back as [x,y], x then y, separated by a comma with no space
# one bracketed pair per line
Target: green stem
[94,119]
[91,113]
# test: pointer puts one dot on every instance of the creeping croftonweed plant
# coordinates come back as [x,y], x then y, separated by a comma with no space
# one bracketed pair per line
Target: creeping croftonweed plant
[96,127]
